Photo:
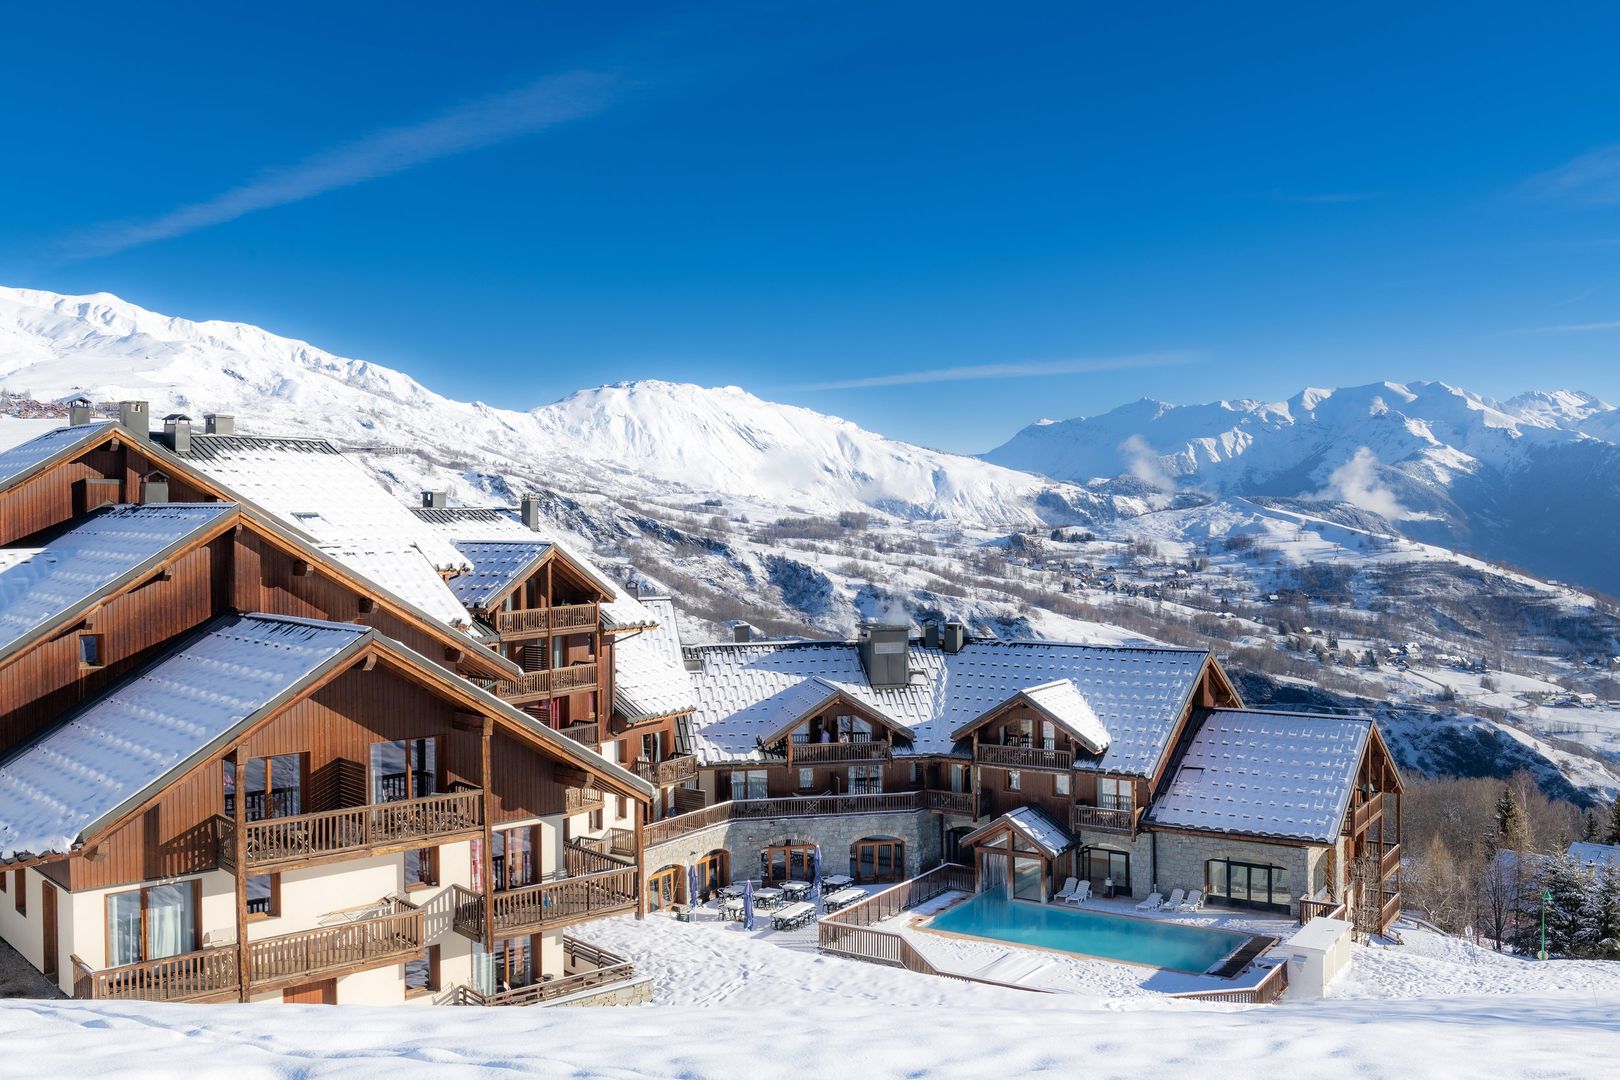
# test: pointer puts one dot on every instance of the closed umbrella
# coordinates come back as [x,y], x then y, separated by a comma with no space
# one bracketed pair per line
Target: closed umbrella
[815,870]
[692,896]
[748,905]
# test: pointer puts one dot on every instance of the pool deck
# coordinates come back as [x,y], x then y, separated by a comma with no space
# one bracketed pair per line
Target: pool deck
[1058,971]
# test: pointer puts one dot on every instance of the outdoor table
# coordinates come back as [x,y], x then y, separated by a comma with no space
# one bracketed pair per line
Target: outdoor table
[732,891]
[732,909]
[794,916]
[795,890]
[837,881]
[843,898]
[767,898]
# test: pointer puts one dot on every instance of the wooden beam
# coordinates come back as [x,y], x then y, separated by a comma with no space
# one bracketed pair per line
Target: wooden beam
[640,813]
[239,767]
[465,721]
[488,872]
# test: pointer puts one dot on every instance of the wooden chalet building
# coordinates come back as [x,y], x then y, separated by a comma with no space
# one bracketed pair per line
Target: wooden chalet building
[1135,768]
[249,752]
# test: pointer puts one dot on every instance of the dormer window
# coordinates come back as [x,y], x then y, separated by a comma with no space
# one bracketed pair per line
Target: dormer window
[91,651]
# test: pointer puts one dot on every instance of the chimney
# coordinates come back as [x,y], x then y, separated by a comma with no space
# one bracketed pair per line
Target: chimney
[134,416]
[79,413]
[529,509]
[177,432]
[886,654]
[742,633]
[435,500]
[220,423]
[954,638]
[931,635]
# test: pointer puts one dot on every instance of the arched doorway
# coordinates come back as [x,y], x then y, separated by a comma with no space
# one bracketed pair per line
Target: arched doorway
[787,862]
[877,858]
[666,888]
[714,871]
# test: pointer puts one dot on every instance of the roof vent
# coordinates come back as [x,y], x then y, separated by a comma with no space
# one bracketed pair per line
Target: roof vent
[931,635]
[529,510]
[135,416]
[435,500]
[177,433]
[220,423]
[742,633]
[954,637]
[886,654]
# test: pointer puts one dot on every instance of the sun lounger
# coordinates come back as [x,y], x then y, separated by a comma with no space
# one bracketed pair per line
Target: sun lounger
[1194,901]
[1067,891]
[1082,894]
[1174,903]
[1152,903]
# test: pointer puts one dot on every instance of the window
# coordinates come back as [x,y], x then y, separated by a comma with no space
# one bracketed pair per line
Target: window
[807,779]
[514,858]
[1101,865]
[877,859]
[151,923]
[1015,780]
[865,779]
[4,877]
[275,787]
[1018,732]
[959,778]
[596,820]
[748,784]
[788,862]
[916,773]
[514,962]
[421,867]
[1248,885]
[665,888]
[1060,784]
[19,885]
[406,769]
[1115,794]
[422,972]
[90,650]
[264,896]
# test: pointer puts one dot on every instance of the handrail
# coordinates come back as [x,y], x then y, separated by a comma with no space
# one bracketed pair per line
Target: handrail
[590,895]
[669,771]
[956,802]
[670,828]
[822,753]
[550,682]
[1022,757]
[559,617]
[186,977]
[356,828]
[1265,992]
[1389,861]
[1325,909]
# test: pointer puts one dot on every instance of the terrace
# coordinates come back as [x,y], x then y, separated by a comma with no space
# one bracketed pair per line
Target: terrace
[306,839]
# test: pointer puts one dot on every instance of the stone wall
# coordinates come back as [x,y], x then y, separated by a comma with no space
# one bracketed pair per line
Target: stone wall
[1182,858]
[637,991]
[920,829]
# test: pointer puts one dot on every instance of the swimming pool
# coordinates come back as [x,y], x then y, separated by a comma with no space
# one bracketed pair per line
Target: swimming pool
[1090,933]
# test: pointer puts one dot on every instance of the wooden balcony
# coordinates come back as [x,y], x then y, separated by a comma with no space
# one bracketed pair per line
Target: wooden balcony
[391,936]
[953,802]
[607,970]
[673,770]
[537,622]
[583,857]
[1105,819]
[1023,757]
[807,753]
[277,843]
[582,800]
[553,682]
[1357,820]
[1389,862]
[547,906]
[1390,911]
[586,732]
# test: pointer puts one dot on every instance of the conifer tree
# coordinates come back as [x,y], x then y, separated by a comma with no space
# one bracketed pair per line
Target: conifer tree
[1512,830]
[1613,835]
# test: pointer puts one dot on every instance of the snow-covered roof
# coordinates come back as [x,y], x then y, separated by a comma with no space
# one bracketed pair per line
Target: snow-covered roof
[1277,774]
[497,565]
[649,671]
[1061,702]
[17,462]
[156,725]
[1136,694]
[318,491]
[495,524]
[1033,822]
[76,565]
[1590,854]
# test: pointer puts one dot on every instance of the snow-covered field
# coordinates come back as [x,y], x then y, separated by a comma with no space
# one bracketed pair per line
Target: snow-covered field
[736,1005]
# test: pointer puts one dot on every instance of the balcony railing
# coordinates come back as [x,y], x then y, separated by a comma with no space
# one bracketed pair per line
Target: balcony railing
[391,936]
[560,619]
[1356,822]
[1104,819]
[1326,909]
[609,969]
[1390,911]
[552,904]
[585,732]
[354,830]
[1022,757]
[553,682]
[953,802]
[671,828]
[580,800]
[670,771]
[823,753]
[587,856]
[1390,861]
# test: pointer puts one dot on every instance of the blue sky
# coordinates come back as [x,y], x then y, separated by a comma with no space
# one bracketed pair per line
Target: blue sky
[939,220]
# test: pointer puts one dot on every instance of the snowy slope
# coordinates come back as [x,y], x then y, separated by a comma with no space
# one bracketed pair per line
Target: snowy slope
[631,438]
[1533,480]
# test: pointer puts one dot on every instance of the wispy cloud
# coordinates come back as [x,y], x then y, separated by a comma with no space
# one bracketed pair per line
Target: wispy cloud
[1592,179]
[471,126]
[1013,370]
[1575,328]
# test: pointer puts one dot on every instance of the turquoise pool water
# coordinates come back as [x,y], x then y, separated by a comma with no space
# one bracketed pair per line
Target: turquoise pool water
[1091,933]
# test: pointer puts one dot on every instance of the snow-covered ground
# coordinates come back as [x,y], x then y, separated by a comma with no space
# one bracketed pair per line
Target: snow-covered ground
[732,1005]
